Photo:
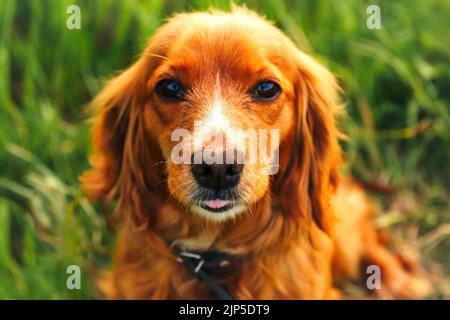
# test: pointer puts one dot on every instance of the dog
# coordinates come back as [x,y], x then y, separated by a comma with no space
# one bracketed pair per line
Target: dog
[230,230]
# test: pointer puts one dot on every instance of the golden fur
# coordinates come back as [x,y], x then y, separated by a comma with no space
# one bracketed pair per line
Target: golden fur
[302,231]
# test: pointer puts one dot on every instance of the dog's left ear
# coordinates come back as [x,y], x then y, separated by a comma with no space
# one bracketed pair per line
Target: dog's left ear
[312,172]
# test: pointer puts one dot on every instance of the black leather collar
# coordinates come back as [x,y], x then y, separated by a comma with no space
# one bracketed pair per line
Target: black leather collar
[208,266]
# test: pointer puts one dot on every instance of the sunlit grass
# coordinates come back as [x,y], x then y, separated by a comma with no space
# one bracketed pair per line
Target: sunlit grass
[396,82]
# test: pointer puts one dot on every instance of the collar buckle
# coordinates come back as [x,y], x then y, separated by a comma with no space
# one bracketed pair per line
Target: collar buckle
[191,255]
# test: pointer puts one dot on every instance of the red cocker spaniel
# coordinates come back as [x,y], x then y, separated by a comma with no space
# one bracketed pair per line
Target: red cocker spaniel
[195,226]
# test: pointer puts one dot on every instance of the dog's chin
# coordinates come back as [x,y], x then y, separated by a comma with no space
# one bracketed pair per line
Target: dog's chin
[225,213]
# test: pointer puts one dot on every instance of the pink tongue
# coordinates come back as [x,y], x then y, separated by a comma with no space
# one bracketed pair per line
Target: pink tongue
[216,203]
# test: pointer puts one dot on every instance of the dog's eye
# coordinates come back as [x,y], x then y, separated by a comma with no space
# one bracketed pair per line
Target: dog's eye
[170,89]
[267,90]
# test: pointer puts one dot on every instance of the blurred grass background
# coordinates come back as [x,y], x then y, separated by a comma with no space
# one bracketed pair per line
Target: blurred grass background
[397,91]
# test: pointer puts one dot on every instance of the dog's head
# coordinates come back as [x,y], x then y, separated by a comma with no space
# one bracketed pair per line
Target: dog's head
[220,111]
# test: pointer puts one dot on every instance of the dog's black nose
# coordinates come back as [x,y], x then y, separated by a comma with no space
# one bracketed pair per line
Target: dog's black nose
[217,176]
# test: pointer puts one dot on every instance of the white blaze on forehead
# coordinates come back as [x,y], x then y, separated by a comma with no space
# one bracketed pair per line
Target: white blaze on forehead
[215,120]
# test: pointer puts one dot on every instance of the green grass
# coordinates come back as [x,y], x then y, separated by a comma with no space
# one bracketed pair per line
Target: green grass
[397,90]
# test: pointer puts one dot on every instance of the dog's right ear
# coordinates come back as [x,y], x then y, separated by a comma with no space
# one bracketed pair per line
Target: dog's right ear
[117,137]
[111,108]
[125,157]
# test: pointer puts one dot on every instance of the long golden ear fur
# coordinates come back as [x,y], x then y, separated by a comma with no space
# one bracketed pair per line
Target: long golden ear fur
[110,124]
[122,157]
[312,175]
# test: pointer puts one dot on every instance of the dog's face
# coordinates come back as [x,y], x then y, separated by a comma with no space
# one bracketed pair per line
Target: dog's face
[229,84]
[235,110]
